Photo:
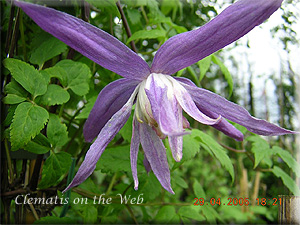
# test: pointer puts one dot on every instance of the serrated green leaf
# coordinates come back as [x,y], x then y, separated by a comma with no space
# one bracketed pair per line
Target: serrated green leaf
[288,159]
[260,148]
[11,111]
[55,95]
[12,99]
[134,16]
[219,152]
[117,159]
[191,146]
[287,180]
[90,215]
[27,76]
[211,214]
[28,120]
[54,169]
[84,114]
[78,75]
[13,87]
[58,73]
[180,181]
[147,34]
[198,190]
[191,213]
[39,145]
[49,48]
[204,65]
[108,6]
[225,72]
[56,131]
[165,214]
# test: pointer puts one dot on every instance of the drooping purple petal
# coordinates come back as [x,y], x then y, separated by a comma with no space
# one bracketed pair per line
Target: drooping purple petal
[108,132]
[90,41]
[211,102]
[156,154]
[109,101]
[223,126]
[187,103]
[176,147]
[234,22]
[146,164]
[165,109]
[134,149]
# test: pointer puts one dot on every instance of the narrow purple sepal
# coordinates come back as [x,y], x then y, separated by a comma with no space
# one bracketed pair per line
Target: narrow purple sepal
[146,164]
[175,143]
[156,154]
[89,40]
[134,149]
[187,48]
[108,132]
[210,102]
[109,101]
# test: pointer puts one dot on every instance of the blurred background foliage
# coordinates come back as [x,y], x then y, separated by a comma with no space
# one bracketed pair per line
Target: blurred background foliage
[50,89]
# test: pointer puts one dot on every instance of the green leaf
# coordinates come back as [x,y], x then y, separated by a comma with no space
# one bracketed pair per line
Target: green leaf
[219,152]
[288,159]
[57,131]
[28,120]
[147,34]
[204,65]
[191,213]
[260,148]
[225,72]
[134,16]
[180,181]
[109,6]
[39,145]
[78,75]
[54,169]
[27,76]
[126,130]
[58,73]
[191,146]
[49,48]
[90,215]
[84,114]
[165,214]
[287,180]
[198,190]
[12,99]
[55,95]
[211,214]
[15,89]
[55,220]
[117,159]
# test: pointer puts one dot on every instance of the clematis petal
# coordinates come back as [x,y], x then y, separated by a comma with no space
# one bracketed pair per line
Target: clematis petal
[108,132]
[187,48]
[176,147]
[165,108]
[156,154]
[223,126]
[146,164]
[187,103]
[134,149]
[109,101]
[211,102]
[90,41]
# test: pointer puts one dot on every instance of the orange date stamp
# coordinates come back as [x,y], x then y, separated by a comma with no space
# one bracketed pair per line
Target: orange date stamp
[238,201]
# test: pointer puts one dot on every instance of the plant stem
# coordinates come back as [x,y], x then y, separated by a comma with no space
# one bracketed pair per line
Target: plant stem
[126,26]
[131,214]
[111,184]
[8,162]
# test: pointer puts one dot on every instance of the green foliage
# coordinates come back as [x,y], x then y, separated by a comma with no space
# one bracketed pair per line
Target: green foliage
[54,169]
[55,95]
[27,76]
[28,121]
[56,131]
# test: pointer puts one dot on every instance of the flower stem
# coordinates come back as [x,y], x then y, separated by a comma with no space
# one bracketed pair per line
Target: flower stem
[111,184]
[8,161]
[126,26]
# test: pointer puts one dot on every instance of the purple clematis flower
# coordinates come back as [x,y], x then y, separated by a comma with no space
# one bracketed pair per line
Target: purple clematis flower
[159,98]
